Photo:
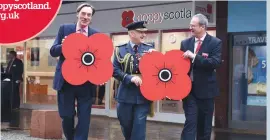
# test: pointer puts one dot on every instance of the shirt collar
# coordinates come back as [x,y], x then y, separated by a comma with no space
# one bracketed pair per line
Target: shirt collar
[78,28]
[132,44]
[196,39]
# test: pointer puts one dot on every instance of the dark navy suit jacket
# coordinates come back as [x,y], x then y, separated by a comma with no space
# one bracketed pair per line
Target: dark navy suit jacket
[128,92]
[56,51]
[205,83]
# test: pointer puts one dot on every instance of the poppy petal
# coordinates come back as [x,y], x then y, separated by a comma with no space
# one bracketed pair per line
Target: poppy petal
[149,67]
[73,72]
[151,88]
[174,58]
[100,72]
[179,88]
[101,46]
[74,45]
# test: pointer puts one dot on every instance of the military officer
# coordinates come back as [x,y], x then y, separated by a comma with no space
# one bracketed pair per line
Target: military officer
[132,107]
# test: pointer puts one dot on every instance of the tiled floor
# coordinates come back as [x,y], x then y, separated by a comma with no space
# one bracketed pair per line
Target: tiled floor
[103,128]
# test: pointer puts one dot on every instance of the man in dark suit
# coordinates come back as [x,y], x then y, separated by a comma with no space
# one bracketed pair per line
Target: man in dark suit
[66,92]
[132,106]
[204,51]
[14,72]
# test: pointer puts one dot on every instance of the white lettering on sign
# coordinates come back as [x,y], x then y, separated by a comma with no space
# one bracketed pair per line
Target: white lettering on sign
[159,17]
[254,40]
[264,64]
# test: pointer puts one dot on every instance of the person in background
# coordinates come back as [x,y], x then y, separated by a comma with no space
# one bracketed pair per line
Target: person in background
[67,93]
[132,107]
[204,52]
[14,72]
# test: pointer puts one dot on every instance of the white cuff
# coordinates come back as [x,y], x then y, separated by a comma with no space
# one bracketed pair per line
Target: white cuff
[193,58]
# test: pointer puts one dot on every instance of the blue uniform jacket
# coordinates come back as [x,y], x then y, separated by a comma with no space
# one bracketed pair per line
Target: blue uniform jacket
[128,92]
[56,51]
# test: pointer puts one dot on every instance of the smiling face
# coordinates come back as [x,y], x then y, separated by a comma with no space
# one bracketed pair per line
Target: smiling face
[85,16]
[196,28]
[137,37]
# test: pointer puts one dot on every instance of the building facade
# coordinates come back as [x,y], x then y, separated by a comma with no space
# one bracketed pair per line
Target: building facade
[168,24]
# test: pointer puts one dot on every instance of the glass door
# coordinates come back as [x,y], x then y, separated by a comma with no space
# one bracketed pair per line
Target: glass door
[248,81]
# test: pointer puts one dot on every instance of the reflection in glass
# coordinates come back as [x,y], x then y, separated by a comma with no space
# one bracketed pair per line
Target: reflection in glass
[249,83]
[5,49]
[39,90]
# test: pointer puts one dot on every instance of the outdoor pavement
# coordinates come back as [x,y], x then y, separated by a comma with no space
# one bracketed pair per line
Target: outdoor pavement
[104,128]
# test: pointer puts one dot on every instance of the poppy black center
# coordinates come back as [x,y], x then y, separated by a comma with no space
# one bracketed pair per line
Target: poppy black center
[127,18]
[165,75]
[88,59]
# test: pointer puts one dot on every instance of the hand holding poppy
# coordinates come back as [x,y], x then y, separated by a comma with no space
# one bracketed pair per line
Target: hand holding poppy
[87,59]
[165,75]
[63,39]
[189,54]
[136,80]
[150,50]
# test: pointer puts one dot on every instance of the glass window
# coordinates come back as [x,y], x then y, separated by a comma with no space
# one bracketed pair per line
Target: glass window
[212,32]
[172,40]
[248,80]
[40,68]
[249,83]
[5,49]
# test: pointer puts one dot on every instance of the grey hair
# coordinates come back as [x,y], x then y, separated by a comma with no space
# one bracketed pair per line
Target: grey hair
[202,20]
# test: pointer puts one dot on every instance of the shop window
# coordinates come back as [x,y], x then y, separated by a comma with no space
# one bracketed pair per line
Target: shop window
[40,68]
[5,49]
[249,77]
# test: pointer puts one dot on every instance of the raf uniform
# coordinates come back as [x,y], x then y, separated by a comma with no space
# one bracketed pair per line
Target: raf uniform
[132,106]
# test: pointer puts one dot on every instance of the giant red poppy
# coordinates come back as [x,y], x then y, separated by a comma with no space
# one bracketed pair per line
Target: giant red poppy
[127,18]
[165,75]
[87,59]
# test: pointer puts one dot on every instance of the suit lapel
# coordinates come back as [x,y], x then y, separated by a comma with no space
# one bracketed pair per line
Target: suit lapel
[191,44]
[89,31]
[73,29]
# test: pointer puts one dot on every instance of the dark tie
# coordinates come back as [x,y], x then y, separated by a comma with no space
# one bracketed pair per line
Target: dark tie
[135,48]
[9,65]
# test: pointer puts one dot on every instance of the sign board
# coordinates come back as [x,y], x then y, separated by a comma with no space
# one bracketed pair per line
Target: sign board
[208,9]
[169,16]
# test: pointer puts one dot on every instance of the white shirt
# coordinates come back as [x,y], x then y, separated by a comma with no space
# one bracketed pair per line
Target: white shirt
[132,44]
[195,47]
[196,44]
[85,29]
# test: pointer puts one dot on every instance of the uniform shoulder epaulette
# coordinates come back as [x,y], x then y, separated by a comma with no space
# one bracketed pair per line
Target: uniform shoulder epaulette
[148,44]
[121,45]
